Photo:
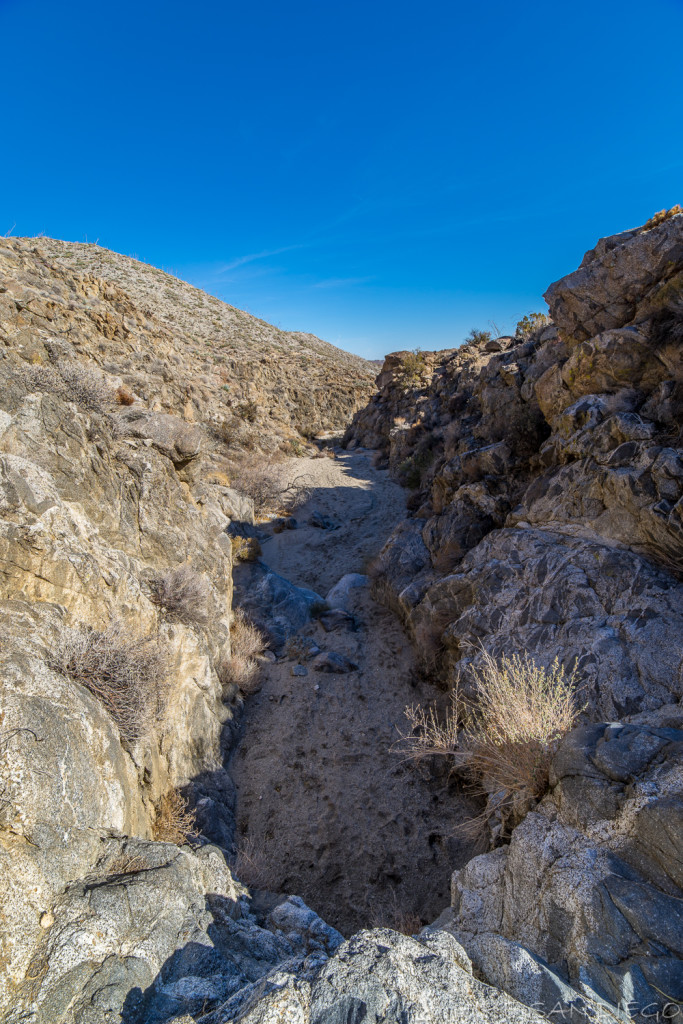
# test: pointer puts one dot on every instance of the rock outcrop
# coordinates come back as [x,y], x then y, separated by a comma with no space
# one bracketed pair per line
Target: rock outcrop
[547,476]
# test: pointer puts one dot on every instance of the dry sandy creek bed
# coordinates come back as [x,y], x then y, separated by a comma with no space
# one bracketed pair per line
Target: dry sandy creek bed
[325,808]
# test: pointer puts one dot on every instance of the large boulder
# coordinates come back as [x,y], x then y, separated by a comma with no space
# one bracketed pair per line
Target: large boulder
[624,279]
[377,975]
[590,882]
[606,610]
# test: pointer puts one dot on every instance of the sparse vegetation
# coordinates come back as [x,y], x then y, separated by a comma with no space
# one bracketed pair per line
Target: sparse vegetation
[504,739]
[174,822]
[530,323]
[124,670]
[183,593]
[477,337]
[662,216]
[264,481]
[250,865]
[245,549]
[71,381]
[246,641]
[124,397]
[413,366]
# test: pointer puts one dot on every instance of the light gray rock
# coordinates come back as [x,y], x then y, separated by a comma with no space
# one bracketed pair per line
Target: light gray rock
[377,976]
[340,594]
[605,609]
[274,604]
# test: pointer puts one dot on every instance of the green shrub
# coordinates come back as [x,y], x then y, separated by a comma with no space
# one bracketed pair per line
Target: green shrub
[477,337]
[531,322]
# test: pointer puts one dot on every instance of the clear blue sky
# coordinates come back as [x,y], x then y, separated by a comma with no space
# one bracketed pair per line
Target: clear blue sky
[383,174]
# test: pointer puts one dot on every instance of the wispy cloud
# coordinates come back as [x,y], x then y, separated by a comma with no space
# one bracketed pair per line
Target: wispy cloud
[342,282]
[250,257]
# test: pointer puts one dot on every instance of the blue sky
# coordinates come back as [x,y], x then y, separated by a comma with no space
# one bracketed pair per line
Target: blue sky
[384,174]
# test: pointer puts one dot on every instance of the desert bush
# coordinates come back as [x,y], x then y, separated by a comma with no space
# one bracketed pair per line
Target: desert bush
[174,822]
[183,593]
[246,641]
[245,549]
[477,337]
[531,322]
[413,366]
[72,381]
[264,481]
[124,397]
[247,411]
[411,470]
[250,865]
[124,670]
[505,738]
[661,216]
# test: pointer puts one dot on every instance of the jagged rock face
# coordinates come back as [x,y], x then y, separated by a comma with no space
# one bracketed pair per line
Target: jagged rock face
[623,280]
[175,348]
[548,519]
[591,880]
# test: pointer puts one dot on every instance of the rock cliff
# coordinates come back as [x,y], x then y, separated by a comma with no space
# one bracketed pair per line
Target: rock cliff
[547,476]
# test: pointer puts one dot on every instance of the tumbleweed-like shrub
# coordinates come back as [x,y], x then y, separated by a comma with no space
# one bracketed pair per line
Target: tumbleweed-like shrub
[174,822]
[72,381]
[505,738]
[246,641]
[183,593]
[264,480]
[125,671]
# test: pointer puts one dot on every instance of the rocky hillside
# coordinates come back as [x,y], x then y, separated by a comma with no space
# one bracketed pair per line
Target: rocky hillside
[547,476]
[174,348]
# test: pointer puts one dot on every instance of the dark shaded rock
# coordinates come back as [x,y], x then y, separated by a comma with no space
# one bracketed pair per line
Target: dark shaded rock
[329,661]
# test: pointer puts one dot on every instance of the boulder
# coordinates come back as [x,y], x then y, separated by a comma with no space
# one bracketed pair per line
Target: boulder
[622,280]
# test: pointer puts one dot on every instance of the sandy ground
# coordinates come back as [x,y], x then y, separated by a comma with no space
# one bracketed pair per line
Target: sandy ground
[325,806]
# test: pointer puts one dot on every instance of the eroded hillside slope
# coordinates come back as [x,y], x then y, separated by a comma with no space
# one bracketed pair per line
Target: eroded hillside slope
[173,346]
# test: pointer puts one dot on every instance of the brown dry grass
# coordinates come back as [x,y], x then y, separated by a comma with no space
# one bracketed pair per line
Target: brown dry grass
[661,216]
[124,670]
[174,821]
[505,739]
[250,865]
[127,864]
[246,641]
[245,549]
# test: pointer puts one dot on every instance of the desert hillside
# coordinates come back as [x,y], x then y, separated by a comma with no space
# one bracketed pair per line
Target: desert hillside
[174,347]
[335,702]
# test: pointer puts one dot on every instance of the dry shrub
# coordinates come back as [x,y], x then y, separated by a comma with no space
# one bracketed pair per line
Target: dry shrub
[412,369]
[245,549]
[125,671]
[506,738]
[246,641]
[264,481]
[250,865]
[174,822]
[72,381]
[124,397]
[661,216]
[183,593]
